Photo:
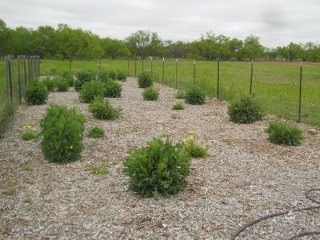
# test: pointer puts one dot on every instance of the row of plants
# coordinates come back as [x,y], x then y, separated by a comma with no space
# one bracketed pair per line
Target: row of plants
[161,167]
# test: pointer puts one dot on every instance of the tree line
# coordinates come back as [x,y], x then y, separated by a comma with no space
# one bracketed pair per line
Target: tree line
[68,43]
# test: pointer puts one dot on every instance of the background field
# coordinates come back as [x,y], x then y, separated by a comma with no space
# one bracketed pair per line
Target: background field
[276,84]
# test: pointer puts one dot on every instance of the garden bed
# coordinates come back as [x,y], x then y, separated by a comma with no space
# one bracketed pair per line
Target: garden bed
[244,178]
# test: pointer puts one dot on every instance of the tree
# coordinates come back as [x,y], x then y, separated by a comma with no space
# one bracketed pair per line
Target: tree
[178,49]
[251,48]
[4,38]
[144,44]
[114,48]
[294,51]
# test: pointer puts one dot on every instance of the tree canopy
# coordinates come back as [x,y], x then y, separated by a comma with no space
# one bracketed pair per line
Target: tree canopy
[65,42]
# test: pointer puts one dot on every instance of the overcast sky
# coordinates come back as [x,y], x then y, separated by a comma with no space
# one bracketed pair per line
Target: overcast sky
[275,22]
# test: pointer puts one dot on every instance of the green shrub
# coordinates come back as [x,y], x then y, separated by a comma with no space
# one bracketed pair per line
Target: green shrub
[151,94]
[61,84]
[96,132]
[49,83]
[103,76]
[62,130]
[82,77]
[69,78]
[113,74]
[90,90]
[113,89]
[122,75]
[36,93]
[103,110]
[246,110]
[180,94]
[160,168]
[145,80]
[195,95]
[178,105]
[284,133]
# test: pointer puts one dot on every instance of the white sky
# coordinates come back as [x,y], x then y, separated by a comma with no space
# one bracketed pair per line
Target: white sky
[276,22]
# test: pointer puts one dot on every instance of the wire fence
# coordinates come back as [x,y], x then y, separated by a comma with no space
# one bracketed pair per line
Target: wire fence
[288,90]
[285,89]
[15,75]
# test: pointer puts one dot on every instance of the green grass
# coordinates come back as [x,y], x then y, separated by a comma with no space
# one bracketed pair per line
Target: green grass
[276,84]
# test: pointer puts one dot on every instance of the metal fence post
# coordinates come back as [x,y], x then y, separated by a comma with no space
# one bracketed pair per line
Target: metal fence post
[218,80]
[251,77]
[177,73]
[194,71]
[300,93]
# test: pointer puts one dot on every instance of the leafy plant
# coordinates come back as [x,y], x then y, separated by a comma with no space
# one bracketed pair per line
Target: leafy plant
[178,105]
[62,131]
[36,93]
[192,147]
[90,90]
[122,75]
[103,76]
[97,170]
[151,94]
[180,94]
[160,168]
[27,167]
[246,110]
[96,132]
[82,77]
[49,83]
[284,133]
[195,95]
[113,74]
[11,190]
[68,78]
[29,135]
[113,89]
[145,80]
[103,110]
[61,84]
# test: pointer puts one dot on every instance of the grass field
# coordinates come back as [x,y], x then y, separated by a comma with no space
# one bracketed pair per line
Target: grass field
[276,84]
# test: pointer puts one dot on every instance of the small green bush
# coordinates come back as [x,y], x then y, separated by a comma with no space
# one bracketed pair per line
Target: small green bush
[195,95]
[90,90]
[122,75]
[62,130]
[68,78]
[103,76]
[96,132]
[145,80]
[180,94]
[82,77]
[36,93]
[103,110]
[284,133]
[61,84]
[178,105]
[246,110]
[160,168]
[113,74]
[113,89]
[49,83]
[151,94]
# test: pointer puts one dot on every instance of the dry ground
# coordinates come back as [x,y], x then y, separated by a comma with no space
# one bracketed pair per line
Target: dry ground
[245,178]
